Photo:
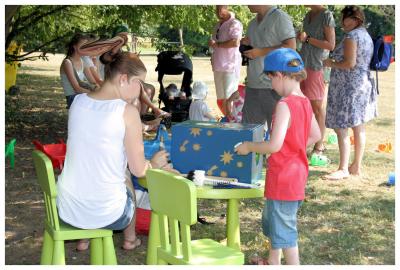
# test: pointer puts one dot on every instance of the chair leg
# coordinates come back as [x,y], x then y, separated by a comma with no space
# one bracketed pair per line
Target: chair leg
[47,249]
[153,241]
[109,251]
[96,251]
[58,252]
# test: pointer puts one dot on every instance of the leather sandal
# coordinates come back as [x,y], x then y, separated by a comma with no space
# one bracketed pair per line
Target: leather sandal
[132,244]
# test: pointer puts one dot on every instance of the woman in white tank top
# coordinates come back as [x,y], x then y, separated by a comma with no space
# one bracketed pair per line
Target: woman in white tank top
[104,136]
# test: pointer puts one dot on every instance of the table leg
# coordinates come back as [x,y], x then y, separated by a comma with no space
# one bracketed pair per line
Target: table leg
[232,224]
[153,240]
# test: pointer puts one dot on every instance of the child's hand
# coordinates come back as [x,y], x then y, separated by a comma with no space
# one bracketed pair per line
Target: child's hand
[160,159]
[243,149]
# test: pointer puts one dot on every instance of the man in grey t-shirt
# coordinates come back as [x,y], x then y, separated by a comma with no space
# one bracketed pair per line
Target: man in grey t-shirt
[269,30]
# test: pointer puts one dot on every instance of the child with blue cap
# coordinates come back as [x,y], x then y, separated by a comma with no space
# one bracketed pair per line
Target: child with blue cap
[293,128]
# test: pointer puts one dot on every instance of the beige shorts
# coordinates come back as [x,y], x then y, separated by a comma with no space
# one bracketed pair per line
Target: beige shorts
[225,84]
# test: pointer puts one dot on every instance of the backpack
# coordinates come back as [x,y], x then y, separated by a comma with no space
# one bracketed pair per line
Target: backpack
[381,58]
[383,52]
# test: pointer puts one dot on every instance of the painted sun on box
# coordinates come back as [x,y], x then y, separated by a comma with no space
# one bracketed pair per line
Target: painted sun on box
[209,146]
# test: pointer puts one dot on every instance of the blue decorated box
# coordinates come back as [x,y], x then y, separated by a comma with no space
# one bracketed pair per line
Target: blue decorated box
[209,146]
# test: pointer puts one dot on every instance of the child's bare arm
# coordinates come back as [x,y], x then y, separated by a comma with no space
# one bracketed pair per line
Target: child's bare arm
[315,132]
[210,116]
[281,124]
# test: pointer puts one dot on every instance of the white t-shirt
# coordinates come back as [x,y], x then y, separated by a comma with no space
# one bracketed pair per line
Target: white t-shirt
[198,109]
[91,187]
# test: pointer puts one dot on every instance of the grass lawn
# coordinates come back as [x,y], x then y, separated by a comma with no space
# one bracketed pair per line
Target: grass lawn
[343,223]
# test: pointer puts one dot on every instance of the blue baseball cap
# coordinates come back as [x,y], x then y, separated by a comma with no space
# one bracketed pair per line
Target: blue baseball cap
[279,59]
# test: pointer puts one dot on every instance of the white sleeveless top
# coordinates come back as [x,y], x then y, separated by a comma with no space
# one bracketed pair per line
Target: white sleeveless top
[66,84]
[91,187]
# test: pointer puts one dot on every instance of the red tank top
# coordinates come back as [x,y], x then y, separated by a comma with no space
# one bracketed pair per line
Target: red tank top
[288,168]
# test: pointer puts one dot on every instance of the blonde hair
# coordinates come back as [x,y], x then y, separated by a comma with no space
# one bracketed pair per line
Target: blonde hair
[123,63]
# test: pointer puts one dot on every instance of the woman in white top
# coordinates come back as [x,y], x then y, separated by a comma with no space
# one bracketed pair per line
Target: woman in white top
[72,70]
[104,136]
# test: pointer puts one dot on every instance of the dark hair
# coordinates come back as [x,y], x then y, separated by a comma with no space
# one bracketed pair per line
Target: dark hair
[122,63]
[354,12]
[298,76]
[75,40]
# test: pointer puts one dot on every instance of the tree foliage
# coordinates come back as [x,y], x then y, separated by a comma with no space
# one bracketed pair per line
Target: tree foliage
[47,28]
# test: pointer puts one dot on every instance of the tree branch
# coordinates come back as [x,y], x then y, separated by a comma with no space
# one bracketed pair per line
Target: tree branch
[30,23]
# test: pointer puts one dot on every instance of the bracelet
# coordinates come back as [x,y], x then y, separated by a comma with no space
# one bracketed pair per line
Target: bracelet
[308,39]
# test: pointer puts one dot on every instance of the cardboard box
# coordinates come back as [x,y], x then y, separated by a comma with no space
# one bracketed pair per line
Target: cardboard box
[209,146]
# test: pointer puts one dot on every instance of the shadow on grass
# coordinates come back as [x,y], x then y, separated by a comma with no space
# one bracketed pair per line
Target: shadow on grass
[39,110]
[24,67]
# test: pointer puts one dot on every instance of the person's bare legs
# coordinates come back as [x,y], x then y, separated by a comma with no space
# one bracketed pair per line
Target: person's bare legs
[359,147]
[149,90]
[131,241]
[319,112]
[291,255]
[344,151]
[274,256]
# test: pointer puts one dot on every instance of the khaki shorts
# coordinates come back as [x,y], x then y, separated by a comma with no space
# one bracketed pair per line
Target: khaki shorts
[225,84]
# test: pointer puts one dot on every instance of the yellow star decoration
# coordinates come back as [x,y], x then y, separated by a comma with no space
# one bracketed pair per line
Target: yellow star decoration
[209,133]
[224,174]
[196,147]
[212,169]
[239,164]
[182,148]
[195,131]
[226,158]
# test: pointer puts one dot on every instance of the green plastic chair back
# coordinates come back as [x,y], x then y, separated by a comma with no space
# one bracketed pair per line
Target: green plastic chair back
[101,243]
[10,152]
[173,199]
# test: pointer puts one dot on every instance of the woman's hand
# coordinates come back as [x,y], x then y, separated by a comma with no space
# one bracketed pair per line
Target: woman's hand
[302,36]
[254,53]
[160,159]
[328,62]
[245,41]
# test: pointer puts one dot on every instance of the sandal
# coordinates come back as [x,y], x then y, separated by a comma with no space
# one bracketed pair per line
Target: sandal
[131,245]
[82,245]
[256,260]
[338,175]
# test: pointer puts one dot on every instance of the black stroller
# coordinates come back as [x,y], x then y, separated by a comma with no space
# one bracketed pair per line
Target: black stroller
[175,63]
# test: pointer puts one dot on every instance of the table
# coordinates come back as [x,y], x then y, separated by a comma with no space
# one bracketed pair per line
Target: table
[206,192]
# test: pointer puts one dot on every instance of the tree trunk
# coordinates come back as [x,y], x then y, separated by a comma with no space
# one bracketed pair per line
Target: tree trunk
[181,38]
[10,12]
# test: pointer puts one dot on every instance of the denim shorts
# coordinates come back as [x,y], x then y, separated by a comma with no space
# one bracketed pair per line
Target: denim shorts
[125,219]
[279,223]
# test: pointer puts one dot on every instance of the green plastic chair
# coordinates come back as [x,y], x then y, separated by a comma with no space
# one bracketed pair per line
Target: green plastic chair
[173,200]
[10,152]
[56,232]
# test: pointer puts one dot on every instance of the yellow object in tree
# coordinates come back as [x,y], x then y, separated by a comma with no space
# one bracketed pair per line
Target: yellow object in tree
[11,68]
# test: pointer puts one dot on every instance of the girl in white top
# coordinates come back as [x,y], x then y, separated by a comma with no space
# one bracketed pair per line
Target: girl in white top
[71,70]
[104,136]
[199,110]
